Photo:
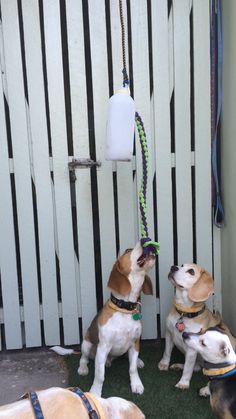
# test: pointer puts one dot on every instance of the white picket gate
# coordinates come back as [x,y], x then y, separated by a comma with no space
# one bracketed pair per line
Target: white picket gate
[59,236]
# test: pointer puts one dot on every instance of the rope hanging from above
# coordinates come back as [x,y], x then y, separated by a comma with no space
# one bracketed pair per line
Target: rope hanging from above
[148,245]
[120,138]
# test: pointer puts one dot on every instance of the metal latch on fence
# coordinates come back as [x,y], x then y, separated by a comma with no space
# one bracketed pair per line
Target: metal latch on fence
[81,164]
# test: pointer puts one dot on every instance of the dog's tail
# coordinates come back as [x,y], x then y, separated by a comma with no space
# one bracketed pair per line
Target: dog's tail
[63,351]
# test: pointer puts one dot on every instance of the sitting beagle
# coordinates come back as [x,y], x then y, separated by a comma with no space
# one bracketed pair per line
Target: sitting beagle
[193,285]
[64,404]
[219,366]
[117,327]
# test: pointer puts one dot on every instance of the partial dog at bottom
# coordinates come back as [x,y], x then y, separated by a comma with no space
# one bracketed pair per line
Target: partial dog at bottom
[219,366]
[62,403]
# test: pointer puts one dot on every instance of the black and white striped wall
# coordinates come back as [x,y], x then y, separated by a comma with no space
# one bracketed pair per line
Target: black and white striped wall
[60,231]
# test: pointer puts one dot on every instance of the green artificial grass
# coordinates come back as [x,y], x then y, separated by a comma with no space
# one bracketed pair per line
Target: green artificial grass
[160,398]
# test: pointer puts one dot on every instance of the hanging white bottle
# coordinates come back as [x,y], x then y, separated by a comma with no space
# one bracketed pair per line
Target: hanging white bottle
[120,126]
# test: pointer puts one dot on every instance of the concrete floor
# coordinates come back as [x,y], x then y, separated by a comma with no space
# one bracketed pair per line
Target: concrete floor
[28,370]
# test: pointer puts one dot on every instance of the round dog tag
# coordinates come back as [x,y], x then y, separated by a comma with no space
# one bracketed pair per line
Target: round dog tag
[137,316]
[180,326]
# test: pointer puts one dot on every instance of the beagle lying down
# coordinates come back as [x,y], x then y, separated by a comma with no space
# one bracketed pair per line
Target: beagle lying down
[193,285]
[220,367]
[117,327]
[59,403]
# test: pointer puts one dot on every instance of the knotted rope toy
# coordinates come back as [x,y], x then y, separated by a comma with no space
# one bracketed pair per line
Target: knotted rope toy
[149,246]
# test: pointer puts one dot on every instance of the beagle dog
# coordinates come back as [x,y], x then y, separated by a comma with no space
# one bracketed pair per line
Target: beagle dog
[64,404]
[219,356]
[117,327]
[193,285]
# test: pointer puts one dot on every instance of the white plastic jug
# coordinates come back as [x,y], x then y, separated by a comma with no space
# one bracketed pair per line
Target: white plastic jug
[120,126]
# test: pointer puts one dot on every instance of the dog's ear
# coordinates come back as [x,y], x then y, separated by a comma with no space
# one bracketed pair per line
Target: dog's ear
[118,280]
[202,289]
[147,286]
[224,349]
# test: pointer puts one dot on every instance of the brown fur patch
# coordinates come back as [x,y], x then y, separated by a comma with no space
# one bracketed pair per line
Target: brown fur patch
[92,332]
[118,280]
[105,314]
[220,406]
[147,286]
[203,288]
[137,345]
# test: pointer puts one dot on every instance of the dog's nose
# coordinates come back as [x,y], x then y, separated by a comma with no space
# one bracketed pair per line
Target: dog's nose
[174,268]
[185,335]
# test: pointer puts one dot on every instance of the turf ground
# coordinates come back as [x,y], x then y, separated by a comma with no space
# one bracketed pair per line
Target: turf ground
[160,398]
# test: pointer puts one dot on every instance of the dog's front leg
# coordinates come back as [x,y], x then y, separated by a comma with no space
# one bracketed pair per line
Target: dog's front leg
[100,361]
[136,383]
[169,344]
[190,359]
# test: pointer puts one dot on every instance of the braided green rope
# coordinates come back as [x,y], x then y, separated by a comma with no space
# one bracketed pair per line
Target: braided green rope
[148,245]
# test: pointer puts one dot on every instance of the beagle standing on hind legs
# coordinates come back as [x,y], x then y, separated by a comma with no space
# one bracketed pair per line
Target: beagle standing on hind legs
[117,327]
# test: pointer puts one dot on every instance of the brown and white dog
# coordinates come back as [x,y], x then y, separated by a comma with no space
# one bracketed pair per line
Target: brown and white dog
[219,357]
[64,404]
[117,327]
[193,285]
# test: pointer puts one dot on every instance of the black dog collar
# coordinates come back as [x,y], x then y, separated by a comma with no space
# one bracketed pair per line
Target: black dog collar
[190,315]
[127,305]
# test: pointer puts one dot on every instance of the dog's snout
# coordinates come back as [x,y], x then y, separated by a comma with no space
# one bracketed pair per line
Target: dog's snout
[174,268]
[185,335]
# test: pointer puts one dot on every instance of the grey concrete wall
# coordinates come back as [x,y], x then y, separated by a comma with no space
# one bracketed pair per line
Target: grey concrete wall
[229,163]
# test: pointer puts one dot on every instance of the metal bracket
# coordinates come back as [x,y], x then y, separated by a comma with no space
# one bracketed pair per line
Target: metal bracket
[81,164]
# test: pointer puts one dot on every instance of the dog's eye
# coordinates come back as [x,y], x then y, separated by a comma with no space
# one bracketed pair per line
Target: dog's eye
[191,272]
[202,343]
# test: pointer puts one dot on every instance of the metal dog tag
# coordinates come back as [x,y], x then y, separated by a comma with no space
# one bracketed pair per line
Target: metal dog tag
[180,326]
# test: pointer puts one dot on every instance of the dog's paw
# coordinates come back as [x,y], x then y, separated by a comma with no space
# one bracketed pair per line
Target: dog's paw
[182,385]
[83,370]
[177,367]
[204,391]
[163,366]
[140,363]
[137,388]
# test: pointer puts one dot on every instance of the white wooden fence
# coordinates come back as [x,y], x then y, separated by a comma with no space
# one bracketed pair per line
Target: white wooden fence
[60,61]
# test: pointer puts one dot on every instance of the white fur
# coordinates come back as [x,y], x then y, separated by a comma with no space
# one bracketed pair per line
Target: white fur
[120,332]
[182,282]
[213,346]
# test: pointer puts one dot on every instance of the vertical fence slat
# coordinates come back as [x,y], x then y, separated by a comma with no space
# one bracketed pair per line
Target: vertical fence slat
[161,83]
[60,169]
[104,175]
[182,130]
[202,116]
[17,105]
[140,51]
[81,150]
[7,246]
[125,187]
[42,178]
